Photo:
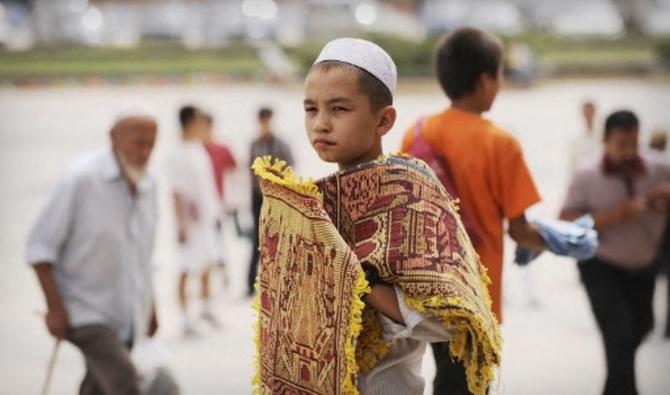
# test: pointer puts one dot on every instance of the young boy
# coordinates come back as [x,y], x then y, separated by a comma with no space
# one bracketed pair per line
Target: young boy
[197,209]
[223,163]
[398,221]
[485,162]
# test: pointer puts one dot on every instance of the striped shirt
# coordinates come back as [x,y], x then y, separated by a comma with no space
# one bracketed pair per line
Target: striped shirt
[399,373]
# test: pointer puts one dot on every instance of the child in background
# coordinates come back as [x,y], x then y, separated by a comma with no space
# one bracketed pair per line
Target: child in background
[197,209]
[223,163]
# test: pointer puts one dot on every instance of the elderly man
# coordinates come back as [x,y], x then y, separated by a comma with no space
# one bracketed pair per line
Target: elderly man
[91,250]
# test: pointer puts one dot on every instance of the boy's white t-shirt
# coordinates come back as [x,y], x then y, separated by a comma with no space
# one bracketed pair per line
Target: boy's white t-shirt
[190,174]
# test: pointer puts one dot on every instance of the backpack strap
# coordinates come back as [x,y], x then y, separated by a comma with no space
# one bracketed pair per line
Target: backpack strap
[423,150]
[418,126]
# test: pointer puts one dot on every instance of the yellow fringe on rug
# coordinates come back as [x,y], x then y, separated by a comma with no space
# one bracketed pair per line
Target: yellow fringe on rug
[361,289]
[467,326]
[256,379]
[371,345]
[279,172]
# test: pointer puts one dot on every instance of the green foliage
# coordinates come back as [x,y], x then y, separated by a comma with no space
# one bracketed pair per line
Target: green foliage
[555,54]
[558,54]
[149,58]
[412,58]
[663,52]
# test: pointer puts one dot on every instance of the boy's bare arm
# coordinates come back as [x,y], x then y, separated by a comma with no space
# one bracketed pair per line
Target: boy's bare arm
[383,298]
[181,215]
[525,234]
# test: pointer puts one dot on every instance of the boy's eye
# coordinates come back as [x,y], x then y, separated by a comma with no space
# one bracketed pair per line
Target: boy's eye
[338,109]
[310,109]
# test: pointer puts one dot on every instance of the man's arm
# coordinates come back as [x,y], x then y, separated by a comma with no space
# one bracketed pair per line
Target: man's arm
[49,235]
[613,215]
[525,234]
[56,318]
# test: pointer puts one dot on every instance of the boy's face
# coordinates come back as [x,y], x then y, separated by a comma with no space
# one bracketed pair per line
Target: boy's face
[265,125]
[588,111]
[490,86]
[339,121]
[208,131]
[197,127]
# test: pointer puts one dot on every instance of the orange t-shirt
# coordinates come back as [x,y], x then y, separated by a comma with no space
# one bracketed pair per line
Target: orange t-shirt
[491,176]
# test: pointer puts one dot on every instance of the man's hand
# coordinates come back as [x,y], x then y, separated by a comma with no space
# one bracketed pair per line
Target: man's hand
[56,319]
[618,213]
[153,324]
[57,322]
[659,197]
[632,208]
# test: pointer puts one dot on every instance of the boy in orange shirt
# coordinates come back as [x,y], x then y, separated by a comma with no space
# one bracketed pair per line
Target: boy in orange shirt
[486,165]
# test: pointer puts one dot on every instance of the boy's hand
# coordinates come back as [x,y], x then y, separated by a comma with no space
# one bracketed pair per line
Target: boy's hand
[383,298]
[193,212]
[182,235]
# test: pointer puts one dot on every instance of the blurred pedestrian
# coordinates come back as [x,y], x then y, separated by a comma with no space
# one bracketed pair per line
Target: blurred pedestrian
[627,192]
[588,143]
[197,209]
[222,158]
[484,164]
[265,144]
[658,143]
[223,162]
[521,65]
[91,249]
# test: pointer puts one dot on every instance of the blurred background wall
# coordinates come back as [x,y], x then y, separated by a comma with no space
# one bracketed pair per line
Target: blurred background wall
[119,40]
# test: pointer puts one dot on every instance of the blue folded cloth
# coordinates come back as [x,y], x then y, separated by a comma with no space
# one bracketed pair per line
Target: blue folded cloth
[576,239]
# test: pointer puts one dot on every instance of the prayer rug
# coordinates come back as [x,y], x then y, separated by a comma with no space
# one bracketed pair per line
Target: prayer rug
[391,213]
[309,292]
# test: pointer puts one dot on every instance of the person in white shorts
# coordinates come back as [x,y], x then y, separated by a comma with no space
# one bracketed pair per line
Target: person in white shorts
[197,211]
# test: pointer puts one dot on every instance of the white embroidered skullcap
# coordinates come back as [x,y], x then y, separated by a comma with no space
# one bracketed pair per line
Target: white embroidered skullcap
[364,54]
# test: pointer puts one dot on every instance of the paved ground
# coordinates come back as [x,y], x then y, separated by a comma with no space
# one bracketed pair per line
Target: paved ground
[550,348]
